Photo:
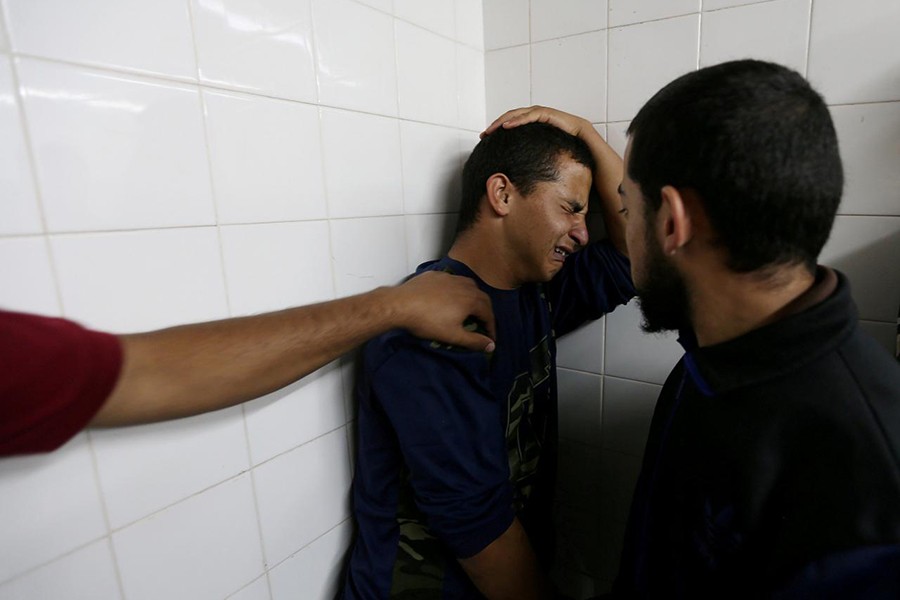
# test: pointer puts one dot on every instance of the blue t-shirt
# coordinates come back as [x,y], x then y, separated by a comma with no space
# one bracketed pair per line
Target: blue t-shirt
[453,444]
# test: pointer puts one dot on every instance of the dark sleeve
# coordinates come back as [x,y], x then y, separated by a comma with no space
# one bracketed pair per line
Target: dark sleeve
[54,377]
[867,573]
[592,283]
[450,432]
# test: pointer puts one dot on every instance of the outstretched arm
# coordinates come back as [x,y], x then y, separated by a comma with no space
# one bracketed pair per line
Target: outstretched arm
[609,171]
[192,369]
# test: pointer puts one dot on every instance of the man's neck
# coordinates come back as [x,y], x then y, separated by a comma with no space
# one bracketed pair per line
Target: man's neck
[727,305]
[487,259]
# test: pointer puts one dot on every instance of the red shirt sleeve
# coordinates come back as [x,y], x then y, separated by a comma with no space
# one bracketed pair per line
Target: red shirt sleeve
[54,377]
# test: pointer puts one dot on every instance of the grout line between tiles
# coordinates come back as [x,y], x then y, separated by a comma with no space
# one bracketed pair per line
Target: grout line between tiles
[808,39]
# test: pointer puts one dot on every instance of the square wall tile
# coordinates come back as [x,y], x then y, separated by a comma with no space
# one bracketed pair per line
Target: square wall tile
[4,39]
[582,349]
[570,74]
[627,410]
[868,137]
[551,19]
[362,164]
[367,253]
[146,468]
[137,281]
[617,137]
[355,54]
[580,406]
[883,333]
[275,266]
[508,80]
[150,37]
[867,251]
[87,574]
[426,76]
[633,354]
[625,12]
[428,237]
[438,16]
[431,172]
[382,5]
[709,5]
[316,571]
[470,23]
[35,525]
[303,494]
[113,151]
[658,51]
[19,210]
[260,46]
[258,590]
[296,414]
[506,23]
[578,477]
[471,85]
[853,50]
[266,158]
[774,31]
[207,547]
[26,276]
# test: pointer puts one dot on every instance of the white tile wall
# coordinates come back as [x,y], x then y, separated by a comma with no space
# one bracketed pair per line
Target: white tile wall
[867,135]
[315,572]
[263,46]
[776,31]
[296,414]
[431,171]
[207,546]
[26,276]
[149,37]
[645,57]
[355,53]
[277,265]
[562,65]
[508,77]
[438,16]
[140,280]
[115,151]
[36,525]
[146,468]
[368,147]
[582,349]
[266,158]
[506,23]
[426,94]
[367,253]
[867,250]
[853,50]
[86,574]
[302,494]
[625,12]
[471,81]
[19,210]
[4,39]
[627,410]
[558,19]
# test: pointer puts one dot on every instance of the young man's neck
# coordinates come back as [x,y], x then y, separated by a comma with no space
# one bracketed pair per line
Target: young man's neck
[726,305]
[486,257]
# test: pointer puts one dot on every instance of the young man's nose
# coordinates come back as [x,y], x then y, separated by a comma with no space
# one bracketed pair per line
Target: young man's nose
[579,234]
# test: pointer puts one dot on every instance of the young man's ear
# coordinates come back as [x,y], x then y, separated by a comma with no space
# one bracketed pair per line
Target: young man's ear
[498,190]
[674,220]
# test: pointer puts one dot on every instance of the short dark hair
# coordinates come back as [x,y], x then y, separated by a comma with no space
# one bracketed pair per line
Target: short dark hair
[757,144]
[527,155]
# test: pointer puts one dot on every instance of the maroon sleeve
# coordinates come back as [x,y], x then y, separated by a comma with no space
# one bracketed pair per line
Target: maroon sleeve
[54,377]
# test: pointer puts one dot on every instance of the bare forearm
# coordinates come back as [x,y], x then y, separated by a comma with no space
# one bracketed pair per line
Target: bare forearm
[192,369]
[607,178]
[507,569]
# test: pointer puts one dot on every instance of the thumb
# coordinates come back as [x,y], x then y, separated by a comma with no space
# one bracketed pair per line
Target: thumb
[475,341]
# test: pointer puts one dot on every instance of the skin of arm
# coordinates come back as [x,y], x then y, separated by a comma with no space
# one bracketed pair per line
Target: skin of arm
[191,369]
[507,568]
[608,174]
